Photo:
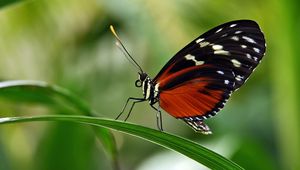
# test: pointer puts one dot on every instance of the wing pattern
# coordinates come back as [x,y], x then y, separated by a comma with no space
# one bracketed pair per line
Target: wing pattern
[196,83]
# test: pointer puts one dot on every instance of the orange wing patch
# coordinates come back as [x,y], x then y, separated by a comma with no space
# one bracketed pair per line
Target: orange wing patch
[190,100]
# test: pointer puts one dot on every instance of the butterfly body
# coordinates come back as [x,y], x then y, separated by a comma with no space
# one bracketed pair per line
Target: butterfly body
[196,83]
[150,91]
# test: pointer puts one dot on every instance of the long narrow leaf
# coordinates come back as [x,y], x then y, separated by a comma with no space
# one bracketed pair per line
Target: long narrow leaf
[189,148]
[40,92]
[4,3]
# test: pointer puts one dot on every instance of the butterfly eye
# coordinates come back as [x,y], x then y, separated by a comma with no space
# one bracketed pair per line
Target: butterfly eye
[138,83]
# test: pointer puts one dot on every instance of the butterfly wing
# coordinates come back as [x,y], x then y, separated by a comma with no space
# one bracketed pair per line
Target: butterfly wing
[198,80]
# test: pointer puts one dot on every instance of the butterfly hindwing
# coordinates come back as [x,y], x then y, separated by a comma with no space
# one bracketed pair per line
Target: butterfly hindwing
[198,96]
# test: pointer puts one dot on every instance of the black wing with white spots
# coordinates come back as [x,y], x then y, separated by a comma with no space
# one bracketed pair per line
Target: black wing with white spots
[236,45]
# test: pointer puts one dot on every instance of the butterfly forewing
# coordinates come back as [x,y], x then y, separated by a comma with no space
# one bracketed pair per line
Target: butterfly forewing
[238,45]
[198,80]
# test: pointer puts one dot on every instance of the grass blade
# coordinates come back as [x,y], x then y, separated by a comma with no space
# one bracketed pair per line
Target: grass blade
[189,148]
[43,93]
[4,3]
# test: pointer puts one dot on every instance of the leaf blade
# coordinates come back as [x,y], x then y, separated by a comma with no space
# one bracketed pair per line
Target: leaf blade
[41,92]
[189,148]
[4,3]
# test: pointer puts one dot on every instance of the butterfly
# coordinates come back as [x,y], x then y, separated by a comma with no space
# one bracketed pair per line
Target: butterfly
[197,81]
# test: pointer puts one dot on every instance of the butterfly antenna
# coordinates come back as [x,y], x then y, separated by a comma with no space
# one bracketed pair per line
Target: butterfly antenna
[123,49]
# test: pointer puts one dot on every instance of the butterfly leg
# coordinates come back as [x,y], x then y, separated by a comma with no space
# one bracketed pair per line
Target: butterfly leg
[158,118]
[130,98]
[137,101]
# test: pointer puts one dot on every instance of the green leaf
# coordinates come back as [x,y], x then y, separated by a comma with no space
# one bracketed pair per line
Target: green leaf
[4,3]
[43,93]
[189,148]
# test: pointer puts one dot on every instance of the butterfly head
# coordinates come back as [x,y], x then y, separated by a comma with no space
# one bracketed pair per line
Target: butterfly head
[142,77]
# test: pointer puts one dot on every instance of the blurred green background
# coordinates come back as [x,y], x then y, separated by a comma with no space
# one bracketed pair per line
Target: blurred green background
[68,43]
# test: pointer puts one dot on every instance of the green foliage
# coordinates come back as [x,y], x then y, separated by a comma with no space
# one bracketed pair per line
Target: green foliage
[181,145]
[35,90]
[4,3]
[55,97]
[68,43]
